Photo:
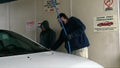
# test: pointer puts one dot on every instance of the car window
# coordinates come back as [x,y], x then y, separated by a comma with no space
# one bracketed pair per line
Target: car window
[15,44]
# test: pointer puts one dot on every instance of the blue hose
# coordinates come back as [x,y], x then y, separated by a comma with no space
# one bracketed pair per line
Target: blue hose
[54,5]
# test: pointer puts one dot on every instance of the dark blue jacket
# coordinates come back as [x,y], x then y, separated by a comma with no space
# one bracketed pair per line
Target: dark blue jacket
[47,37]
[76,29]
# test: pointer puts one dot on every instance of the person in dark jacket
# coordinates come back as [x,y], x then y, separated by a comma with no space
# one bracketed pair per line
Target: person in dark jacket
[76,36]
[47,36]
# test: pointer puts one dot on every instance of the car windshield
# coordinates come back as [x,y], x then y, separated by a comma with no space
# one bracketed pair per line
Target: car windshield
[14,44]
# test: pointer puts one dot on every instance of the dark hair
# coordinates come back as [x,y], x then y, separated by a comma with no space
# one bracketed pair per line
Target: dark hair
[62,15]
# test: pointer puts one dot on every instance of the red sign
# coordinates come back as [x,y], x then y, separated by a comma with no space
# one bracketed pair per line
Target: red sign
[108,3]
[105,24]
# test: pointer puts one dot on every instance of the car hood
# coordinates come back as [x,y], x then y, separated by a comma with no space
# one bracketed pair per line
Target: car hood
[48,59]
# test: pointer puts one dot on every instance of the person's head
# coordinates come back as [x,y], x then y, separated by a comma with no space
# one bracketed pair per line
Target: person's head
[44,25]
[63,17]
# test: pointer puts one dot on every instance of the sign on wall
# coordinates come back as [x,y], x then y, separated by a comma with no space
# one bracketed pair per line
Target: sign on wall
[105,23]
[30,26]
[48,6]
[108,5]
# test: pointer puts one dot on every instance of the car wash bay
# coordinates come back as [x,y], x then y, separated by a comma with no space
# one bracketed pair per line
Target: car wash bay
[104,44]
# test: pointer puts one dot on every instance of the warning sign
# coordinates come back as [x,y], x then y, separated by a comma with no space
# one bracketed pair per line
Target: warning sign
[108,5]
[105,23]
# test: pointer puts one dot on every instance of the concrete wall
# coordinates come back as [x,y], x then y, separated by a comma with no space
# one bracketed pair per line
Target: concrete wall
[4,19]
[21,12]
[104,47]
[15,15]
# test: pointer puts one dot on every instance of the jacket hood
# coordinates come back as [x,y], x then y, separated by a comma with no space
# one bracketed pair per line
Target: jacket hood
[45,24]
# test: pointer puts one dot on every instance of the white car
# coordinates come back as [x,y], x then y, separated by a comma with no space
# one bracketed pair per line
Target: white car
[17,51]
